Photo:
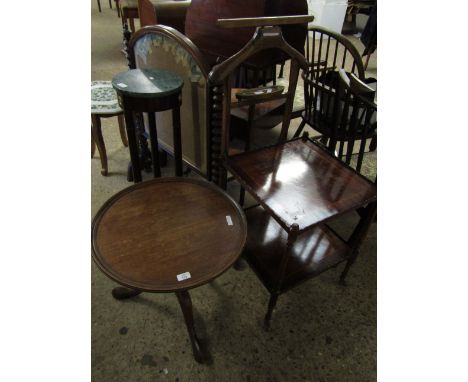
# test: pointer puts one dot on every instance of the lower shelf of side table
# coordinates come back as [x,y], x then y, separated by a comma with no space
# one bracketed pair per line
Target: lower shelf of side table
[314,251]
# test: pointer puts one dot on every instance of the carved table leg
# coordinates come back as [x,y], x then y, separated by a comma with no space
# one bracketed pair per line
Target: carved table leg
[96,133]
[186,305]
[122,293]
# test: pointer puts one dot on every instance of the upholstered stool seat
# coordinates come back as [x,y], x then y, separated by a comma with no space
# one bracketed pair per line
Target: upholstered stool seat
[104,104]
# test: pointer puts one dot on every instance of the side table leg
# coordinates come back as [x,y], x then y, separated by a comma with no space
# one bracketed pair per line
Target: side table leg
[177,134]
[185,303]
[122,293]
[133,146]
[154,145]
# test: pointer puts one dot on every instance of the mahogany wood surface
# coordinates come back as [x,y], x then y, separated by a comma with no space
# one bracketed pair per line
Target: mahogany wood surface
[215,41]
[300,182]
[167,12]
[147,234]
[264,21]
[313,253]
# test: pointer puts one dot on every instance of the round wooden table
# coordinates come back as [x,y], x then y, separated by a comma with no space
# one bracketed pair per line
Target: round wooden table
[168,235]
[150,91]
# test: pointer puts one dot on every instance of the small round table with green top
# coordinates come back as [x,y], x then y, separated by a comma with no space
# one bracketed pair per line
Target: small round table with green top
[104,104]
[150,91]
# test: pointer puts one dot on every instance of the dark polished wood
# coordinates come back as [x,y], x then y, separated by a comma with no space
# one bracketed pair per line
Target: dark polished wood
[150,91]
[166,12]
[185,303]
[265,38]
[122,293]
[313,252]
[129,11]
[214,41]
[343,110]
[150,234]
[287,177]
[263,21]
[326,51]
[300,186]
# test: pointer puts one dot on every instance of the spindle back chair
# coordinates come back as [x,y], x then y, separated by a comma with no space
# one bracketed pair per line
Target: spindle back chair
[345,114]
[326,51]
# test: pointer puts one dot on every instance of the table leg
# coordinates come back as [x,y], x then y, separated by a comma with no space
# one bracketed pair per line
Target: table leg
[133,146]
[154,145]
[177,134]
[96,133]
[185,303]
[122,293]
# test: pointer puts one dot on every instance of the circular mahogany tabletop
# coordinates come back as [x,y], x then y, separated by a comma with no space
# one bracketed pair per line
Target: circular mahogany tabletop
[168,234]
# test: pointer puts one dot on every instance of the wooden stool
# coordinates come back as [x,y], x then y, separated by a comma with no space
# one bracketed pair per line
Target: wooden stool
[150,91]
[104,105]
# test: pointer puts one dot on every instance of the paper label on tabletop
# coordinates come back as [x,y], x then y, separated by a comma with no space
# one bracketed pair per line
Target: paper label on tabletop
[229,220]
[183,276]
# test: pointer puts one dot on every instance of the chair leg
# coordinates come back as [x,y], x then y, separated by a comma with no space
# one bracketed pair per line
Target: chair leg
[117,5]
[373,143]
[300,128]
[367,62]
[110,4]
[99,5]
[123,134]
[281,71]
[271,306]
[96,133]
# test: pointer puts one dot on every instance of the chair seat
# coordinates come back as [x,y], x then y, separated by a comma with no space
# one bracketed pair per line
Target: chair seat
[313,253]
[300,182]
[104,98]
